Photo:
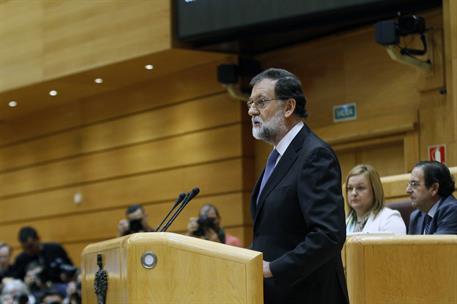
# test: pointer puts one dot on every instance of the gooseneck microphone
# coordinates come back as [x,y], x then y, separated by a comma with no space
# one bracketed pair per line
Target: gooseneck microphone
[178,200]
[184,203]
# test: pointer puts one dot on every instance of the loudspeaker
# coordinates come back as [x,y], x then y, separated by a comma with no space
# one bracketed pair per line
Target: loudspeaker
[227,73]
[386,33]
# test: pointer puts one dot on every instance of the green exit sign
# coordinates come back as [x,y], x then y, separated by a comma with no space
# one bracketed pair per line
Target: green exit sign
[345,112]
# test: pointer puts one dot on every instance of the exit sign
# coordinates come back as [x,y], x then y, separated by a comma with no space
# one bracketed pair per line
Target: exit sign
[345,112]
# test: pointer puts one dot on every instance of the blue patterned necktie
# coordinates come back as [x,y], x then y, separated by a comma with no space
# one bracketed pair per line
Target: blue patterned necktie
[271,162]
[427,222]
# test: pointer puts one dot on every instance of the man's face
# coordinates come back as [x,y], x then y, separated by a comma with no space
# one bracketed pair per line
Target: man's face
[421,196]
[5,256]
[267,113]
[31,246]
[136,215]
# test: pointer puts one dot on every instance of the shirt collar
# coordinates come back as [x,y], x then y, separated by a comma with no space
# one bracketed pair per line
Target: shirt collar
[287,139]
[432,210]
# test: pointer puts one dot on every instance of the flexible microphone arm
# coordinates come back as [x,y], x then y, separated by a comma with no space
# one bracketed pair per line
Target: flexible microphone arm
[178,200]
[186,200]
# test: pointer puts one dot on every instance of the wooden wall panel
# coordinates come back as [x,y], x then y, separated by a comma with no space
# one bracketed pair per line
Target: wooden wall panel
[103,224]
[352,67]
[140,144]
[215,144]
[188,85]
[212,178]
[48,39]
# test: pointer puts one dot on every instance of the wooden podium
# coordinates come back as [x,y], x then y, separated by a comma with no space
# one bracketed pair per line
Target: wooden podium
[159,267]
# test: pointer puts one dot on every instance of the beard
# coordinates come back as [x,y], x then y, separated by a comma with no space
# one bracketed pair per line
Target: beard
[269,130]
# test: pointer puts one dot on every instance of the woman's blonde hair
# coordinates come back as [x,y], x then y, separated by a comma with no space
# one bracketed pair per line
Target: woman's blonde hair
[376,187]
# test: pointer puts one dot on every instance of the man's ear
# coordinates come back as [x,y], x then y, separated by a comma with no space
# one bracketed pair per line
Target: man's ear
[290,107]
[434,188]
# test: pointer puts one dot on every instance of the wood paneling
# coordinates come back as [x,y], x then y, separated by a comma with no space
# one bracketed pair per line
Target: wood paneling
[43,39]
[102,224]
[160,88]
[391,269]
[139,144]
[125,131]
[450,52]
[212,178]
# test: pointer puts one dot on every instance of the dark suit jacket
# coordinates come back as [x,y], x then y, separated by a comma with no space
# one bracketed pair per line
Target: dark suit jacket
[444,221]
[299,225]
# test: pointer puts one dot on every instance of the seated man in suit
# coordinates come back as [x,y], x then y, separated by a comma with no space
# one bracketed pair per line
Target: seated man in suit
[430,188]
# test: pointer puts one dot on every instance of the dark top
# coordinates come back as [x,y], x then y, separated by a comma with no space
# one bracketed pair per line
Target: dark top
[299,225]
[52,257]
[8,272]
[444,221]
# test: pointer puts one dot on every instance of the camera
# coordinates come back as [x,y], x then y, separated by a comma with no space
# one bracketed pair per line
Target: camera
[60,267]
[204,223]
[388,32]
[136,226]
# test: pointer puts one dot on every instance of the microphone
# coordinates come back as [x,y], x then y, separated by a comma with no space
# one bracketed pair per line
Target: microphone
[178,200]
[186,200]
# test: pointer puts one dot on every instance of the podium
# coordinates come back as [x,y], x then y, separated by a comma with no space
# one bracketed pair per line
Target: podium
[161,267]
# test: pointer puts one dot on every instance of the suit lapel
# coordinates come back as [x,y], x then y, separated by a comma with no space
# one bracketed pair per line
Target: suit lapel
[279,172]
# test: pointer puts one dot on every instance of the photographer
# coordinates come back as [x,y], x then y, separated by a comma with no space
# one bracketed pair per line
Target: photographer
[50,258]
[207,226]
[136,221]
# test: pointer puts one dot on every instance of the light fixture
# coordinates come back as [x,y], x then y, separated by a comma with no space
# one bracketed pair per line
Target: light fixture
[53,93]
[12,104]
[98,80]
[149,67]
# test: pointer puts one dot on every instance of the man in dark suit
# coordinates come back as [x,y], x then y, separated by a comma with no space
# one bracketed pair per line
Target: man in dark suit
[297,206]
[430,188]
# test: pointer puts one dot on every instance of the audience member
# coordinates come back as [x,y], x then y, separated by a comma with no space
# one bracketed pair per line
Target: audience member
[207,226]
[52,296]
[6,268]
[47,261]
[430,188]
[136,221]
[15,291]
[365,199]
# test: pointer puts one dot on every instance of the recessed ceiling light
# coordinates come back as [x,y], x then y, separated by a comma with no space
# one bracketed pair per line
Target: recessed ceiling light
[12,104]
[53,93]
[149,67]
[98,80]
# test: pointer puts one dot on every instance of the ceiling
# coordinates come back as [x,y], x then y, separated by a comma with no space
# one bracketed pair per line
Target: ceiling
[36,97]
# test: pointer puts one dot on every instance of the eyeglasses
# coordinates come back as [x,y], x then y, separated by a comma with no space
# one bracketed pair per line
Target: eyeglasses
[413,184]
[259,103]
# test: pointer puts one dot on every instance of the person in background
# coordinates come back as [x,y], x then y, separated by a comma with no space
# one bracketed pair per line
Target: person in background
[365,199]
[6,268]
[49,261]
[136,221]
[208,226]
[430,188]
[15,291]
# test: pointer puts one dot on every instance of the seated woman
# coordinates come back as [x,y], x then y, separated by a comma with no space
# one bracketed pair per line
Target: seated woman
[365,199]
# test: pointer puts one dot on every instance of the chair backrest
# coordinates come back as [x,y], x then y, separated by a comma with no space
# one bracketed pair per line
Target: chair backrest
[405,209]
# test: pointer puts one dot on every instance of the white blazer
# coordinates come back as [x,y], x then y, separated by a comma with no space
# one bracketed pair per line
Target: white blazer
[386,221]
